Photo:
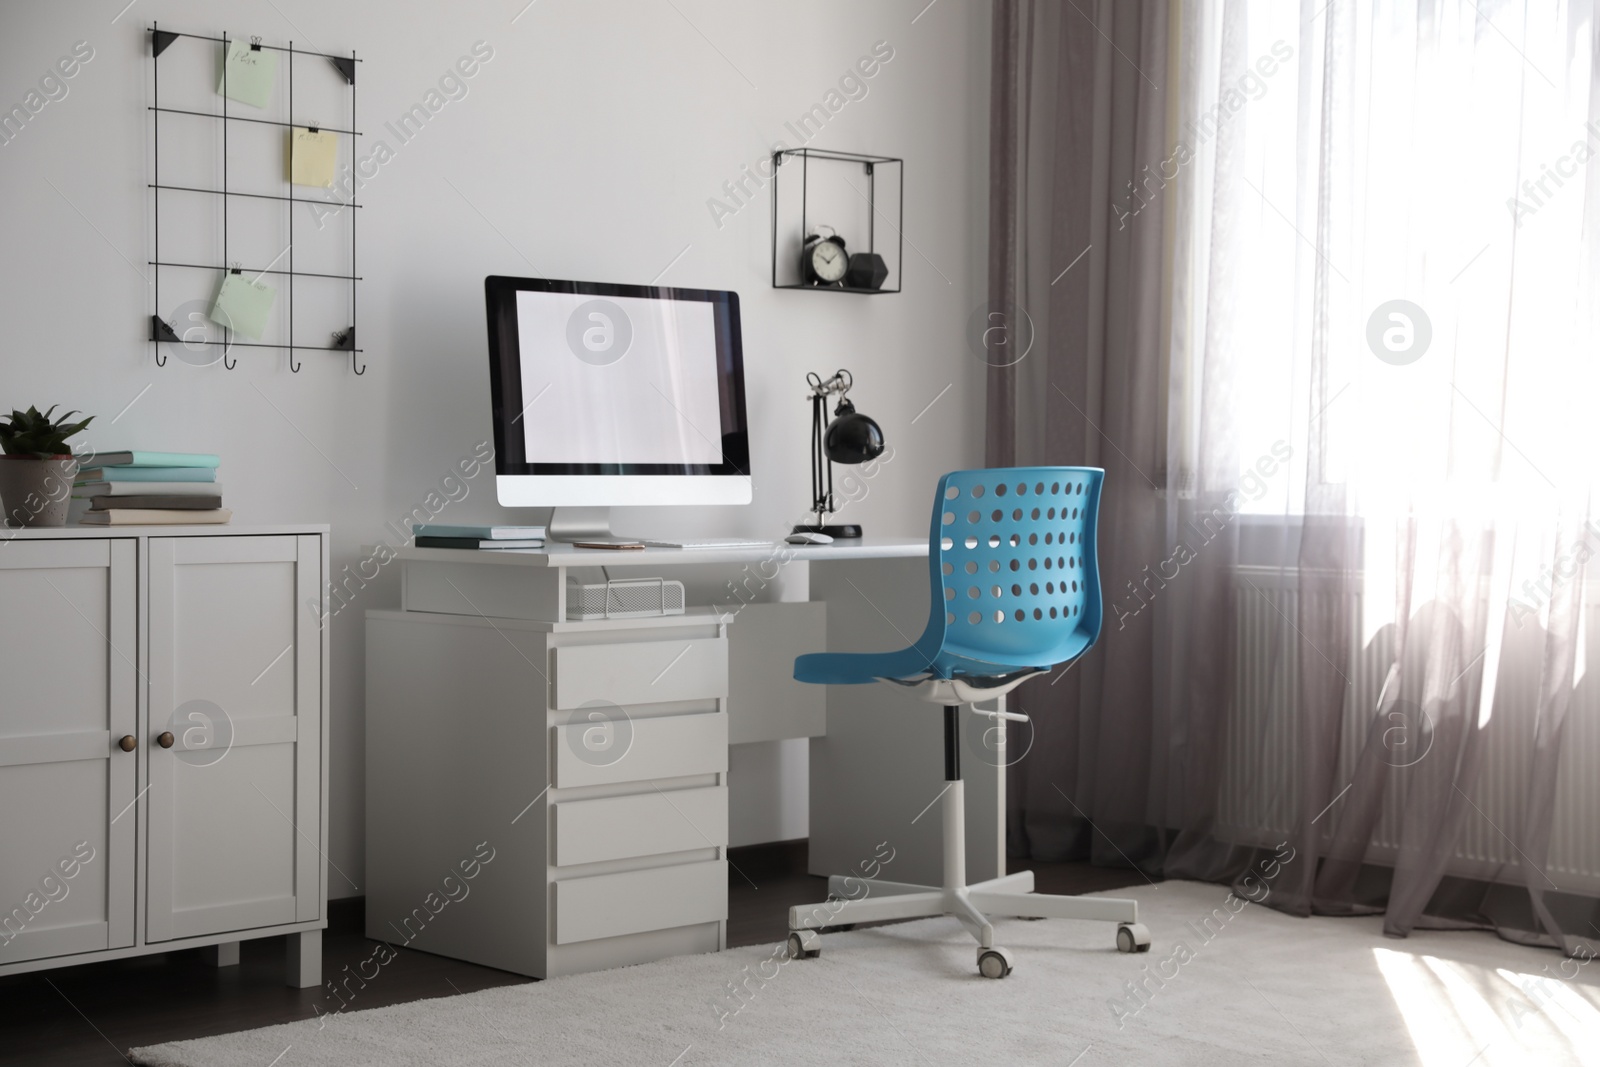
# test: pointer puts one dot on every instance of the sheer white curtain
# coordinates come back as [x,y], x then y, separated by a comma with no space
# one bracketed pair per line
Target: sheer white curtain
[1385,252]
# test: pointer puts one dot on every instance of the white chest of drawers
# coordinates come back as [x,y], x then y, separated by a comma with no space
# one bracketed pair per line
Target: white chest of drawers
[587,761]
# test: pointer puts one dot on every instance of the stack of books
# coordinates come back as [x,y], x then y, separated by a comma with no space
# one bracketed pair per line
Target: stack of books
[149,489]
[439,535]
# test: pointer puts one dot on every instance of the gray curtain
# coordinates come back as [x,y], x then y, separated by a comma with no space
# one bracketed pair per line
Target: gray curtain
[1082,378]
[1117,337]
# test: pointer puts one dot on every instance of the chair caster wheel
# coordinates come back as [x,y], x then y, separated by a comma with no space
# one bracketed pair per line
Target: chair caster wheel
[994,962]
[804,945]
[1133,937]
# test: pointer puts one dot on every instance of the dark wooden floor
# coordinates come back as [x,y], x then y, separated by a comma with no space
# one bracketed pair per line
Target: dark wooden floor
[91,1015]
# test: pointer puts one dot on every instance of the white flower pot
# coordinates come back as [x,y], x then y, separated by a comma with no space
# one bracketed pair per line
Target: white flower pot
[36,492]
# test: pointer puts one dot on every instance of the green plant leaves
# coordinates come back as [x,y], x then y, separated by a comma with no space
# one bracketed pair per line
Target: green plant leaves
[32,433]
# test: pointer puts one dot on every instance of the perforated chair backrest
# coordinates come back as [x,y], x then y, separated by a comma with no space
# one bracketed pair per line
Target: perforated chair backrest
[1014,566]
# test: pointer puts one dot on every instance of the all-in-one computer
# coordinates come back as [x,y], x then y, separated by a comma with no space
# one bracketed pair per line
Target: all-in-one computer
[615,394]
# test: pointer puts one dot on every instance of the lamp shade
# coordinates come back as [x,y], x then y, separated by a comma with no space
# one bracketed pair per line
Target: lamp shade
[852,437]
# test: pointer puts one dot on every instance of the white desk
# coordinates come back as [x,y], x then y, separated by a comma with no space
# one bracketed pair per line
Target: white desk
[477,690]
[558,556]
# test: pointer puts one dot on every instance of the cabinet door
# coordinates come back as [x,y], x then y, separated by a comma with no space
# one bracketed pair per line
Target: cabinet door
[235,834]
[68,695]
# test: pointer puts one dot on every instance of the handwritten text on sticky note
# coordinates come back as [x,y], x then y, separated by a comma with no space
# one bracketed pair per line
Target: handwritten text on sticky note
[247,74]
[312,155]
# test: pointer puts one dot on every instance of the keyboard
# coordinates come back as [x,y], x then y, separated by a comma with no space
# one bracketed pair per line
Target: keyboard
[711,542]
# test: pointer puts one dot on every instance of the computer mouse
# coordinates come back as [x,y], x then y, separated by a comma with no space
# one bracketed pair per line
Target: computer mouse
[804,537]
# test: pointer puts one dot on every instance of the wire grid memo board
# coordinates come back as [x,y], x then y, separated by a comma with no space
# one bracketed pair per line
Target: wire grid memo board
[208,150]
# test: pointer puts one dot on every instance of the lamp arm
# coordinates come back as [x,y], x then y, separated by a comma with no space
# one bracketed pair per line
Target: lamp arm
[820,493]
[822,501]
[829,464]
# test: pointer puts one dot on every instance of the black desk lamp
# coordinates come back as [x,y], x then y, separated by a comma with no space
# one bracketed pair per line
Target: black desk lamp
[851,438]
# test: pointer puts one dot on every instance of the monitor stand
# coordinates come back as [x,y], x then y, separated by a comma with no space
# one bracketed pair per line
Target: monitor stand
[583,524]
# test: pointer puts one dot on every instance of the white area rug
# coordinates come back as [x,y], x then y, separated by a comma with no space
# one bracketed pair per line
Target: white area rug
[1257,987]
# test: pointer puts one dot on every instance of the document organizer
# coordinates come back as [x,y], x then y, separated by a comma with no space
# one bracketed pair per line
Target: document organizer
[623,598]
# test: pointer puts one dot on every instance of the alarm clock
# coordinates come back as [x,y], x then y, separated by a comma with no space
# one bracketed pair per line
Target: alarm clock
[823,260]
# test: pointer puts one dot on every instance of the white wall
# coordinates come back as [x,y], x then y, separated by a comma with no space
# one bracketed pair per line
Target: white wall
[586,147]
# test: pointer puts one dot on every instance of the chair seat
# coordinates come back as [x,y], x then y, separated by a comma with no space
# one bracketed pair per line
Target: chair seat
[906,665]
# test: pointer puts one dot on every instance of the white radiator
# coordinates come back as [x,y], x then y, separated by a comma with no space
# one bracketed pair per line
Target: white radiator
[1260,767]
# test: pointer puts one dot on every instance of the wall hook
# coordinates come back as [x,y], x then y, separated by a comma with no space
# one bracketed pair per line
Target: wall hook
[294,368]
[225,362]
[345,340]
[160,332]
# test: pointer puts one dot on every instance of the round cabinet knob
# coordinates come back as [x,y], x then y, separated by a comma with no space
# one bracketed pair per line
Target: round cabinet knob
[166,740]
[128,743]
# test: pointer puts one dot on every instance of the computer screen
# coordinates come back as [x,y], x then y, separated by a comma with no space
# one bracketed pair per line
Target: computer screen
[596,380]
[628,379]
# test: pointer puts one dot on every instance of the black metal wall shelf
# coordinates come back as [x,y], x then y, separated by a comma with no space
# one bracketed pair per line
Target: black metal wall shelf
[872,166]
[161,330]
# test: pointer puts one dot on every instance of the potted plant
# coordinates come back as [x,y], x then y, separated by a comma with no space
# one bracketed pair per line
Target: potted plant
[37,470]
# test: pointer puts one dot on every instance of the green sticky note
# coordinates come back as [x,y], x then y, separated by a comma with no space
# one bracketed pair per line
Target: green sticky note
[243,305]
[247,74]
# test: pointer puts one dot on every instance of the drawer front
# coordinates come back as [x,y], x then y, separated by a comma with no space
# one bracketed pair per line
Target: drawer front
[622,750]
[647,824]
[611,905]
[639,672]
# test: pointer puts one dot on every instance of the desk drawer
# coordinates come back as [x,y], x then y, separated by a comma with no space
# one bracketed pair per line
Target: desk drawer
[646,824]
[660,898]
[637,750]
[639,672]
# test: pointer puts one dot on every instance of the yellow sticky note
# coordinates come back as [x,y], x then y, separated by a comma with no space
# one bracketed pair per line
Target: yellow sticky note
[242,305]
[247,74]
[312,155]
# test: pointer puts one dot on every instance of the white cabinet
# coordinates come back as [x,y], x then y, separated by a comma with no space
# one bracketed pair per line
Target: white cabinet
[162,728]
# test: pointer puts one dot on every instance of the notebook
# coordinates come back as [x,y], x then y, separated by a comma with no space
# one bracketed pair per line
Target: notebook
[476,542]
[482,533]
[157,517]
[149,459]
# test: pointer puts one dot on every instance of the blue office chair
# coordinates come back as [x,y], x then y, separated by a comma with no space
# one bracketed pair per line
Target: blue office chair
[1016,591]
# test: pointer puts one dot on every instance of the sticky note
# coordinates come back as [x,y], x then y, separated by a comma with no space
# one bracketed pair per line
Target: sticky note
[247,74]
[243,305]
[312,155]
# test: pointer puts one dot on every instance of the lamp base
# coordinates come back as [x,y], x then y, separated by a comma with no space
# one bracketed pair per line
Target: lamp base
[845,530]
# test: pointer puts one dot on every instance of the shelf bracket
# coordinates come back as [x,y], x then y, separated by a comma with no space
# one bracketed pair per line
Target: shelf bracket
[160,331]
[347,67]
[159,40]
